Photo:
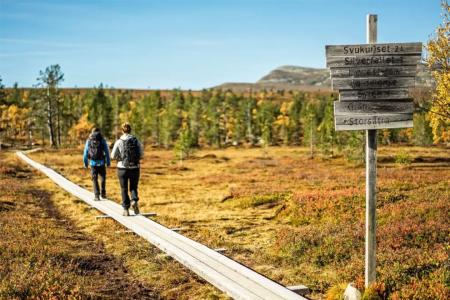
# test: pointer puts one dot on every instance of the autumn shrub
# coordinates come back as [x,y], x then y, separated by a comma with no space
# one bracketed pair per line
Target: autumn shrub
[258,200]
[336,292]
[403,158]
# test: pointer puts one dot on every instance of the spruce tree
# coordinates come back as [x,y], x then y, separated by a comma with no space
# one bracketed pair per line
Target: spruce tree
[326,132]
[295,128]
[100,111]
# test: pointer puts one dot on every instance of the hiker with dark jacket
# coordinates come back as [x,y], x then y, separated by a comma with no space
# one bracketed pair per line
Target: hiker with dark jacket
[96,154]
[128,151]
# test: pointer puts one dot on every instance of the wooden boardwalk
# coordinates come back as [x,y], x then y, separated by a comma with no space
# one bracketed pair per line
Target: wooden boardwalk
[226,274]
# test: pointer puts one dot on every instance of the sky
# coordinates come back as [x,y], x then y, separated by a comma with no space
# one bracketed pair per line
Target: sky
[165,44]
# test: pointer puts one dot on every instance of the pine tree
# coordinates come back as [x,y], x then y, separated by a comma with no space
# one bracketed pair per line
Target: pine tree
[50,79]
[184,143]
[71,111]
[2,93]
[100,111]
[309,118]
[195,110]
[149,110]
[249,110]
[422,131]
[212,121]
[121,100]
[326,132]
[295,128]
[283,121]
[240,123]
[171,118]
[15,97]
[266,116]
[230,116]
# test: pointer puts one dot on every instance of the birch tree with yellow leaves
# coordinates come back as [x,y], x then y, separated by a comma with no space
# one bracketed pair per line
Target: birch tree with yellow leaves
[438,60]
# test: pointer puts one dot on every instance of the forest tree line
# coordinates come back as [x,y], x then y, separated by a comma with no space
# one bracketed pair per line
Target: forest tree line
[47,115]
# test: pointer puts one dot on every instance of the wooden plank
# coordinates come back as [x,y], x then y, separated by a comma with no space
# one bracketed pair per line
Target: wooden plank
[299,289]
[372,61]
[376,94]
[389,71]
[149,214]
[177,229]
[372,83]
[379,121]
[373,49]
[102,217]
[373,107]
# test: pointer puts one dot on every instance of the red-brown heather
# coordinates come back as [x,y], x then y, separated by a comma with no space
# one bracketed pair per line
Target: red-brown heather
[290,217]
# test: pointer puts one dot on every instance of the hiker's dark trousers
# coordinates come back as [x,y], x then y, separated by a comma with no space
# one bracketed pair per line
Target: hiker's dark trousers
[95,172]
[129,178]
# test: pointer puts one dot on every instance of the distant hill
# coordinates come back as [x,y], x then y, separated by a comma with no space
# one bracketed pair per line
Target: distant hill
[294,75]
[306,79]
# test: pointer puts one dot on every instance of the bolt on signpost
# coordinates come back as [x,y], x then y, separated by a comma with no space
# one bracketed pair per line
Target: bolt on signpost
[373,82]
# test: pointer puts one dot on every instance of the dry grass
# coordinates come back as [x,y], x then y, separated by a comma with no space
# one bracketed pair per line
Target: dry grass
[296,220]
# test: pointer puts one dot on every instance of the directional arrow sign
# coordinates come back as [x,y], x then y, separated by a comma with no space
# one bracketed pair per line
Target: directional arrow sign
[377,121]
[372,83]
[372,61]
[373,49]
[375,94]
[372,107]
[396,71]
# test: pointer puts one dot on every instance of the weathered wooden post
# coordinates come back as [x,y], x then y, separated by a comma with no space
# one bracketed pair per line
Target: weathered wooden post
[373,81]
[371,180]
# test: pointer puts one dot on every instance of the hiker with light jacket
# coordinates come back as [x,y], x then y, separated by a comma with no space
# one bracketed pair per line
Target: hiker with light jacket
[96,154]
[128,151]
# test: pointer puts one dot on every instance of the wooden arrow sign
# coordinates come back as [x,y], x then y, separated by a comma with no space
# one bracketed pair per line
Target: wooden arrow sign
[374,49]
[375,121]
[374,94]
[373,107]
[389,71]
[371,83]
[372,61]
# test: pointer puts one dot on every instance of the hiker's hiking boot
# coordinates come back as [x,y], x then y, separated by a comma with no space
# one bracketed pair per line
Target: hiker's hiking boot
[103,197]
[135,207]
[126,213]
[96,198]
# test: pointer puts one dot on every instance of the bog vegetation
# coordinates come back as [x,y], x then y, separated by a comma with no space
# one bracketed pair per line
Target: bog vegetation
[294,219]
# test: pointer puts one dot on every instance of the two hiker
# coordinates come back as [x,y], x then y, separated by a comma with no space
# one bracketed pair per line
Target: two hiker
[128,151]
[96,153]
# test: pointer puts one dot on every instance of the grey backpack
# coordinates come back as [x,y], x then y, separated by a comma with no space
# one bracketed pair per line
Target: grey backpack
[131,152]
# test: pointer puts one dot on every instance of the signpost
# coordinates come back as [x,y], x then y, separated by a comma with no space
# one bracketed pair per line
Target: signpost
[373,81]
